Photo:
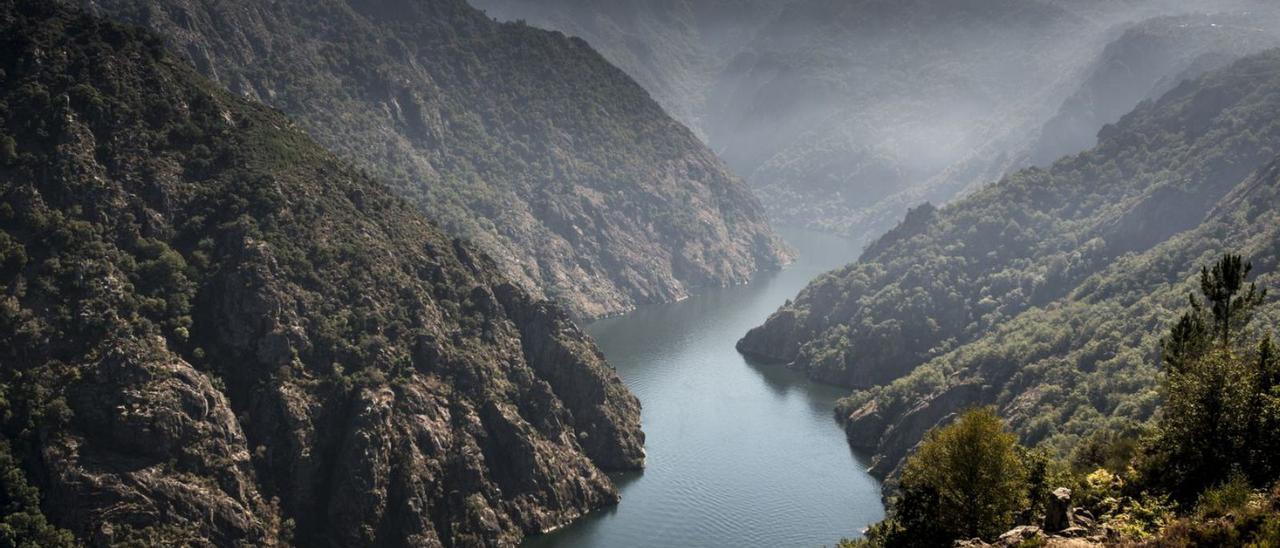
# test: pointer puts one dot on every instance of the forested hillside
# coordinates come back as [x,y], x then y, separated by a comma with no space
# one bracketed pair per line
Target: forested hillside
[1043,294]
[524,141]
[213,332]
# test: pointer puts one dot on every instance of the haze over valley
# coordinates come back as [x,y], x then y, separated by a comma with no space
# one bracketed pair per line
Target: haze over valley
[855,273]
[842,115]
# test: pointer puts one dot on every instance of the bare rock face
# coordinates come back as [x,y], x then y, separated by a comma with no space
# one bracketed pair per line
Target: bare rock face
[215,333]
[869,427]
[152,441]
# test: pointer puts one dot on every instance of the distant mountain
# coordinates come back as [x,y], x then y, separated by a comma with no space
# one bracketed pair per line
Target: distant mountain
[1035,294]
[1141,62]
[213,332]
[1148,60]
[524,141]
[844,114]
[837,107]
[674,48]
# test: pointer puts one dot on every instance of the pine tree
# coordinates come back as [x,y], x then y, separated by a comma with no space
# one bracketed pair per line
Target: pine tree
[1220,414]
[1188,339]
[1227,307]
[1222,285]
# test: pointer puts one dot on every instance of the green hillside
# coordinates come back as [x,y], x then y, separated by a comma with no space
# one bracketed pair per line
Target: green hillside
[1035,293]
[213,332]
[524,141]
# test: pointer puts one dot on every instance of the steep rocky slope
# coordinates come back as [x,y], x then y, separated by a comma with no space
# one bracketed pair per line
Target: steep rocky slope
[1023,294]
[214,332]
[524,141]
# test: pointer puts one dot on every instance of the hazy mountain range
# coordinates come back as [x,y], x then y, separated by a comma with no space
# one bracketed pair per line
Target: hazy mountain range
[842,115]
[310,272]
[1045,293]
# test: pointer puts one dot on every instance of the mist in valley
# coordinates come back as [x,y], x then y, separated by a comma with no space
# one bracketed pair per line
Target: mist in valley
[843,114]
[881,273]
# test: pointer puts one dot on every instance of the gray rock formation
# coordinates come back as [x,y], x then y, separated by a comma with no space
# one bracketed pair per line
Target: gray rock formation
[1057,514]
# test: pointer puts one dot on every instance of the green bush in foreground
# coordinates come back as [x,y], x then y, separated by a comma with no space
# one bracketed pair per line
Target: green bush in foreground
[968,479]
[1205,475]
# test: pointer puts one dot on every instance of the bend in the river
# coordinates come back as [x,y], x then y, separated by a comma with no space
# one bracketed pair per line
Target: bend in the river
[739,454]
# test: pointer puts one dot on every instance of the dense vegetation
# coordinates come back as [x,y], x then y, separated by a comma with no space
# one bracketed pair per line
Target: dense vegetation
[966,480]
[213,332]
[1043,294]
[523,141]
[1205,474]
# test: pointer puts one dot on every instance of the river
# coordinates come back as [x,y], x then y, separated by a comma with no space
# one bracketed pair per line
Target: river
[739,454]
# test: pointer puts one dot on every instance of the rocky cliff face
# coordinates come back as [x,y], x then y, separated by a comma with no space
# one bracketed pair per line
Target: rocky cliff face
[524,141]
[214,332]
[1043,294]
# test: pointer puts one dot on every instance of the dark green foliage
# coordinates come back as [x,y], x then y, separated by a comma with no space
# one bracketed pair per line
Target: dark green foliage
[1229,515]
[22,524]
[1222,286]
[8,150]
[965,480]
[914,520]
[1105,449]
[1201,328]
[1187,339]
[1220,419]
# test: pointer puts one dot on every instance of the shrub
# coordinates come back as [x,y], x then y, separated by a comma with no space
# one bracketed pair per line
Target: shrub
[966,480]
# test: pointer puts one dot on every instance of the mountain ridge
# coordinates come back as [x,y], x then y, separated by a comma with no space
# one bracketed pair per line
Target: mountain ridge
[216,332]
[524,141]
[995,281]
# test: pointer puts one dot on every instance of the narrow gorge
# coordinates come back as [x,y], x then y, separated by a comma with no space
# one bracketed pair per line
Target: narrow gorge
[853,273]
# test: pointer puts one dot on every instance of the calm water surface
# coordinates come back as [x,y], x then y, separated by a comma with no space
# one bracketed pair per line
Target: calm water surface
[739,454]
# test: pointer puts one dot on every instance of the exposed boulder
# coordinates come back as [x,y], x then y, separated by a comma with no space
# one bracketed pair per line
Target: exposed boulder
[1058,510]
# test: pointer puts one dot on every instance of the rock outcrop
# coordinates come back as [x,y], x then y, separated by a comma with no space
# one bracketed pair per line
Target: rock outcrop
[213,332]
[1057,513]
[1063,527]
